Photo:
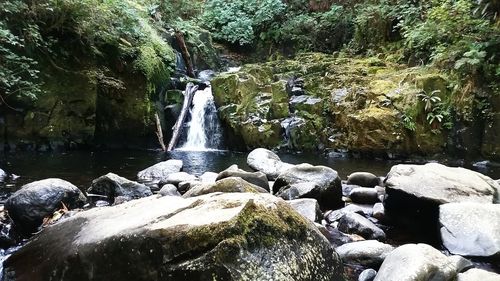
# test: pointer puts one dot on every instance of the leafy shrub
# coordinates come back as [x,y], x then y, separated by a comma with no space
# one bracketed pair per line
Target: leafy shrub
[241,21]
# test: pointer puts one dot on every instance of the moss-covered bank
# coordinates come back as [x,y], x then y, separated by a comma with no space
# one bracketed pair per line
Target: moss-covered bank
[319,101]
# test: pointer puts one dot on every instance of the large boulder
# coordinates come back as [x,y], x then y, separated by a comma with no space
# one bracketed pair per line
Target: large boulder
[160,171]
[441,184]
[34,201]
[478,275]
[268,162]
[416,262]
[328,187]
[112,186]
[367,253]
[470,229]
[257,178]
[414,193]
[227,185]
[213,237]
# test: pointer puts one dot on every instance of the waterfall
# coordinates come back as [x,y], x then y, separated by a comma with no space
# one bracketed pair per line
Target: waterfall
[204,131]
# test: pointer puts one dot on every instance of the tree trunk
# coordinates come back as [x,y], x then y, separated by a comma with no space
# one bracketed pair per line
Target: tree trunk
[188,99]
[185,53]
[159,133]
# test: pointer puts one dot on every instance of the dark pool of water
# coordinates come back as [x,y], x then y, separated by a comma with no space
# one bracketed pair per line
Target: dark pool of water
[81,167]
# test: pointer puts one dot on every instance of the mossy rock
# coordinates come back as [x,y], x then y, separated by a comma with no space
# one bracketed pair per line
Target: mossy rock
[228,236]
[226,185]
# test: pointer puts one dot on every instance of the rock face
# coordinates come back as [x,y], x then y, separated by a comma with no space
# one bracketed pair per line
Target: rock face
[416,262]
[227,185]
[112,186]
[328,189]
[34,201]
[268,162]
[363,179]
[478,274]
[357,224]
[160,171]
[441,184]
[309,208]
[368,253]
[470,229]
[212,237]
[263,105]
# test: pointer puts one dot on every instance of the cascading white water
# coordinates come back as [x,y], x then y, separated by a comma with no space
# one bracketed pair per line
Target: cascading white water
[204,131]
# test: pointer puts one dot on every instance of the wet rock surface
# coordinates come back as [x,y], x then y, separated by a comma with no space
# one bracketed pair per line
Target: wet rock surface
[34,201]
[216,236]
[357,224]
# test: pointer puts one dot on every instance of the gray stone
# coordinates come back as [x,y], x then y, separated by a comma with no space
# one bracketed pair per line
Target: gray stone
[169,190]
[309,208]
[347,188]
[357,224]
[364,195]
[368,253]
[256,178]
[34,201]
[268,162]
[160,171]
[470,229]
[338,238]
[208,177]
[227,185]
[379,211]
[327,185]
[3,175]
[367,275]
[336,215]
[184,186]
[416,262]
[363,179]
[478,275]
[461,264]
[178,177]
[172,238]
[441,184]
[112,186]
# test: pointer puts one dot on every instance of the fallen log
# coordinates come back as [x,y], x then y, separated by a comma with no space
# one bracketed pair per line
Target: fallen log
[179,36]
[188,99]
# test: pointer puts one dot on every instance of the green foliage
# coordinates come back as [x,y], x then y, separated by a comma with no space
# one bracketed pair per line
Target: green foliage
[240,21]
[430,99]
[56,30]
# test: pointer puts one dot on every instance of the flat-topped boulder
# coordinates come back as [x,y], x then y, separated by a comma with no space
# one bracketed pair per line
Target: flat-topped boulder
[323,183]
[470,229]
[441,184]
[266,161]
[368,252]
[160,171]
[213,237]
[34,201]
